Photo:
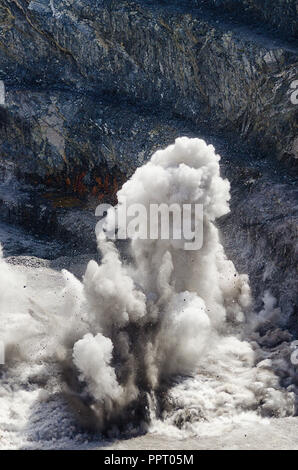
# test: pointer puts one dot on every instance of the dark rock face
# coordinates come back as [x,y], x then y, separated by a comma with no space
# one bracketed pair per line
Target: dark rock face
[172,56]
[82,144]
[281,15]
[260,234]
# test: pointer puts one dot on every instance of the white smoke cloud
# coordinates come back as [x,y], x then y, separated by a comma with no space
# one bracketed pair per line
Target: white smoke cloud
[170,320]
[92,356]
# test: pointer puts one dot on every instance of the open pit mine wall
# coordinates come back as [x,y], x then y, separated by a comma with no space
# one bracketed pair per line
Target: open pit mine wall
[279,15]
[65,62]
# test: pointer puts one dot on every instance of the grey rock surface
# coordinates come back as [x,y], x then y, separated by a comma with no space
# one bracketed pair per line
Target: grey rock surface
[178,57]
[281,15]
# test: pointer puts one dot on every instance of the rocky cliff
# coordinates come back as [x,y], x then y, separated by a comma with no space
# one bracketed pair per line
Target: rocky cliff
[60,60]
[280,16]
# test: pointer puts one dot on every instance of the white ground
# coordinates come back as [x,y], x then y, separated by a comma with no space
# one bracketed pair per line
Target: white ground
[274,434]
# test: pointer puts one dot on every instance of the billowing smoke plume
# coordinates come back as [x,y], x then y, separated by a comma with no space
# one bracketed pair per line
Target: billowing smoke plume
[160,335]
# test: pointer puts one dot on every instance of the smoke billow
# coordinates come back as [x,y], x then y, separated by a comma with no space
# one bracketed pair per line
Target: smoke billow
[159,336]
